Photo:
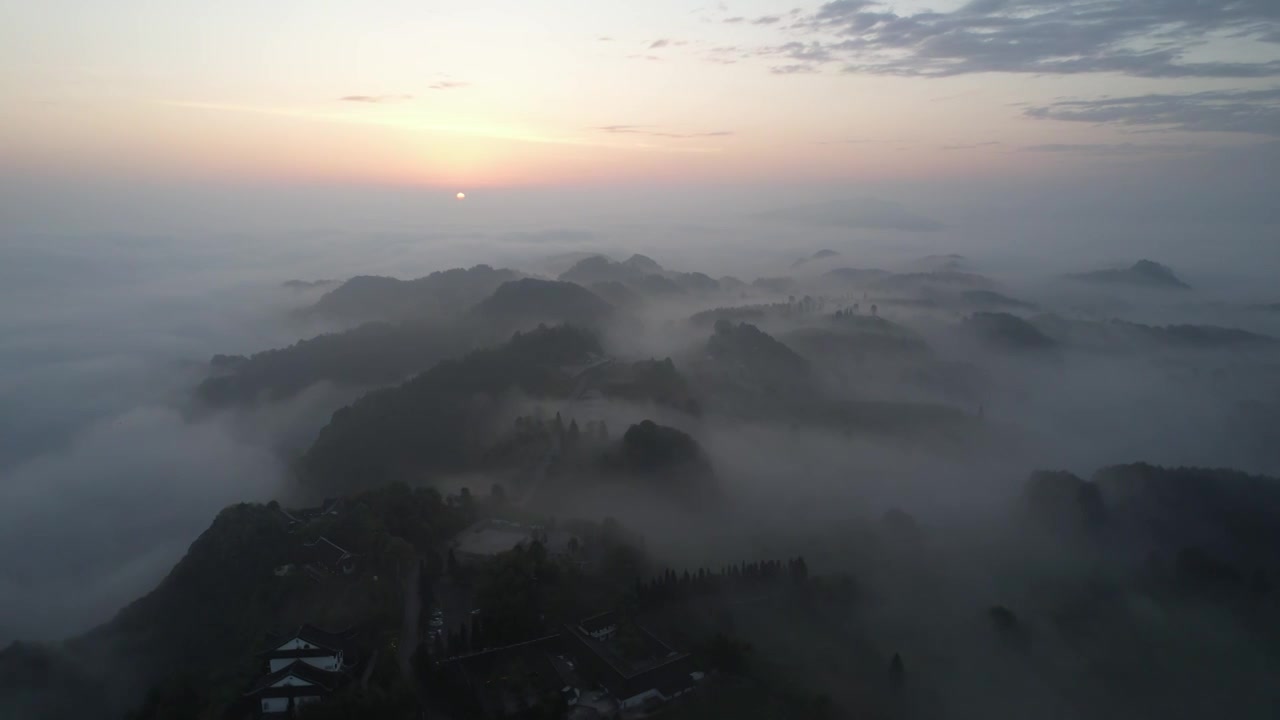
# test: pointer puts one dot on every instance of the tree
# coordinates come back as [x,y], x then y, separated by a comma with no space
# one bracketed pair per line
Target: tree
[897,673]
[452,564]
[498,494]
[799,570]
[477,635]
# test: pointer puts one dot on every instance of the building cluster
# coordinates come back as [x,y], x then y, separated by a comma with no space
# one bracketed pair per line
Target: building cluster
[605,666]
[302,667]
[321,558]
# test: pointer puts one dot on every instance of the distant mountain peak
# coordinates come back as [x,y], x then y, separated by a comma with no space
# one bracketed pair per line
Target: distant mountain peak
[1143,273]
[819,255]
[1155,270]
[643,264]
[530,299]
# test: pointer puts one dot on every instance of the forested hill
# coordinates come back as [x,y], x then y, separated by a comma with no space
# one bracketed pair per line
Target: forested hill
[528,301]
[370,355]
[442,293]
[1142,274]
[422,426]
[377,354]
[189,648]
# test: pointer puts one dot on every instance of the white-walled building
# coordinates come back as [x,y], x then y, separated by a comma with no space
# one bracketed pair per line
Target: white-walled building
[302,667]
[281,693]
[318,648]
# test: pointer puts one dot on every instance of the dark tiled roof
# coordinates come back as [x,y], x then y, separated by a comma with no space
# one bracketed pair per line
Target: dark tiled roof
[669,676]
[277,654]
[323,638]
[596,623]
[327,551]
[318,678]
[331,641]
[673,677]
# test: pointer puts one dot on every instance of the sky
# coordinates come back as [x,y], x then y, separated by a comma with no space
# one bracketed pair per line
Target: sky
[508,94]
[165,164]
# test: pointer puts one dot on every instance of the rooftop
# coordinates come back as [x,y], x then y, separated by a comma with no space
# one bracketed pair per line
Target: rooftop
[331,641]
[596,623]
[302,671]
[654,666]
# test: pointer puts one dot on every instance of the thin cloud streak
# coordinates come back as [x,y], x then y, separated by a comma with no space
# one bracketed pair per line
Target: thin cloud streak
[972,146]
[404,124]
[375,99]
[1254,112]
[644,130]
[1114,148]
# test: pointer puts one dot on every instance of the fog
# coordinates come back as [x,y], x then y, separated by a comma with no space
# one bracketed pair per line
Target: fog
[109,468]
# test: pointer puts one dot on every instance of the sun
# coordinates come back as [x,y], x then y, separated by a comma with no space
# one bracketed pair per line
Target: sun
[461,196]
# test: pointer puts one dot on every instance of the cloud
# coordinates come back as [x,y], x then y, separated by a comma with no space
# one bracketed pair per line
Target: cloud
[604,38]
[1150,38]
[1237,111]
[799,69]
[725,54]
[841,9]
[659,44]
[645,130]
[735,20]
[448,85]
[972,146]
[804,52]
[1114,148]
[375,99]
[766,20]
